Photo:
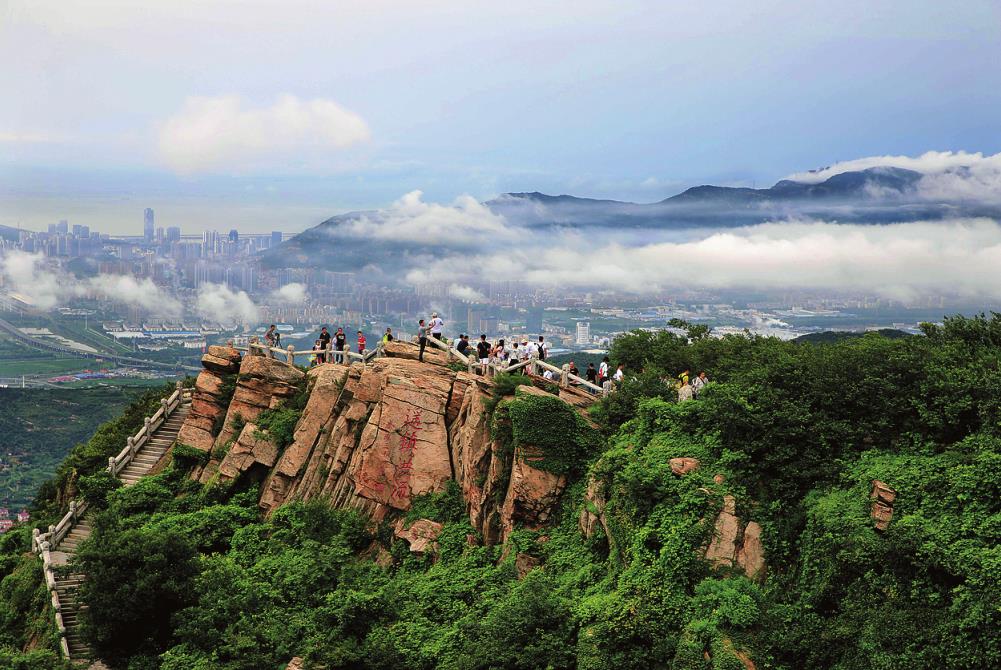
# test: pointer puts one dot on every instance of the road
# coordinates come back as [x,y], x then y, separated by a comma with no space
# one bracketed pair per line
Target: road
[121,360]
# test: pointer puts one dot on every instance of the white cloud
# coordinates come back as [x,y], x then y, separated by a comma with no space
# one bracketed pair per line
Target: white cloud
[948,175]
[900,260]
[466,293]
[224,134]
[132,291]
[289,293]
[465,223]
[47,287]
[220,303]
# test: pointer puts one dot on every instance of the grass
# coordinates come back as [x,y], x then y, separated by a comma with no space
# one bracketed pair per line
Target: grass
[49,366]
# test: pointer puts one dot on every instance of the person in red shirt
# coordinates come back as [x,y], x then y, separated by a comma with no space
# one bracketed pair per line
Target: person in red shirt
[361,342]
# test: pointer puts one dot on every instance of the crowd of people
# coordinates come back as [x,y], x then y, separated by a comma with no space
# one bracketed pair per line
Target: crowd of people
[331,348]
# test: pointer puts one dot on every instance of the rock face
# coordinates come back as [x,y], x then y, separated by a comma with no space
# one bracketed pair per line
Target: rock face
[735,544]
[421,535]
[371,437]
[682,466]
[882,497]
[209,400]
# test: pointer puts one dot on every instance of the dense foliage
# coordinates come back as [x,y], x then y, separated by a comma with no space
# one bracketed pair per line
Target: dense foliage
[186,577]
[41,426]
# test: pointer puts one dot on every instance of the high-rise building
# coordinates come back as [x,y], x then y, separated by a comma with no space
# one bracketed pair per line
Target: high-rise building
[473,317]
[276,238]
[63,227]
[583,332]
[147,224]
[533,322]
[148,227]
[173,234]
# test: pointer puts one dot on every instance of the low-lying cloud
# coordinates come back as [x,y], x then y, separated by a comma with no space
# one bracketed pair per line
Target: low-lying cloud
[466,222]
[26,274]
[293,293]
[224,134]
[948,175]
[220,303]
[958,257]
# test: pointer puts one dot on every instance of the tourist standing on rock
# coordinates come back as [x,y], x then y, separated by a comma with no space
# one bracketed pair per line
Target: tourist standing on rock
[619,375]
[340,342]
[698,383]
[499,353]
[543,348]
[388,336]
[592,374]
[361,342]
[324,343]
[603,371]
[317,356]
[483,350]
[422,339]
[270,337]
[436,325]
[573,370]
[515,354]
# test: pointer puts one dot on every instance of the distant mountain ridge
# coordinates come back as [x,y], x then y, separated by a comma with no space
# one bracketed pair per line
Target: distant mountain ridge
[876,195]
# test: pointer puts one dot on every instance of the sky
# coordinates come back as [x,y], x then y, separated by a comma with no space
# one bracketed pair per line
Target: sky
[276,115]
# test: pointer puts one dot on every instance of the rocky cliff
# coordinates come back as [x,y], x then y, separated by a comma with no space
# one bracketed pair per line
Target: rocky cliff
[371,437]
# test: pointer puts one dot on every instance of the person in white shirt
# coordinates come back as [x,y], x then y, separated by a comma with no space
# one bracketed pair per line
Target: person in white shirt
[526,351]
[543,348]
[603,371]
[548,374]
[698,383]
[436,325]
[619,375]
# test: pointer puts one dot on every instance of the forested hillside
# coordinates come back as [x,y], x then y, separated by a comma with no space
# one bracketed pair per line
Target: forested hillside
[764,548]
[40,426]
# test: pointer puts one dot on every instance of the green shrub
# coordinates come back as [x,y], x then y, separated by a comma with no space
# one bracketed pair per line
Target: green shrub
[96,487]
[551,434]
[186,456]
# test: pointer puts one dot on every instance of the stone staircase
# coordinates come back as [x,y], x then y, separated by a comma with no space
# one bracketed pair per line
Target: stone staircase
[67,584]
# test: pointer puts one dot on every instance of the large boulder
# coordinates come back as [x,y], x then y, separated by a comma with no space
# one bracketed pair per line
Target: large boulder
[411,351]
[531,494]
[421,535]
[882,497]
[682,466]
[221,360]
[735,544]
[251,448]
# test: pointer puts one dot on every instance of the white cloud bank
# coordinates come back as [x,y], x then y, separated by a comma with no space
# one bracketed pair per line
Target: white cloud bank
[410,219]
[902,261]
[220,303]
[224,134]
[25,274]
[948,175]
[958,257]
[294,293]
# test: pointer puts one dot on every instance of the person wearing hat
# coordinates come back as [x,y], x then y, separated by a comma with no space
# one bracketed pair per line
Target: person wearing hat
[436,325]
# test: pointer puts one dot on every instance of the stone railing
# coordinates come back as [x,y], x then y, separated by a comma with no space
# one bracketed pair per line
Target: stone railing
[45,543]
[345,357]
[534,365]
[150,424]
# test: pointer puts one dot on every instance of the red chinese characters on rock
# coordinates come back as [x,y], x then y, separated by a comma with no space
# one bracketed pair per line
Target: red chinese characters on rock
[408,445]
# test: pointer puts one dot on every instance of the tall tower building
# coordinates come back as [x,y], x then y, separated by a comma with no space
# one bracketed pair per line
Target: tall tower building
[148,227]
[583,332]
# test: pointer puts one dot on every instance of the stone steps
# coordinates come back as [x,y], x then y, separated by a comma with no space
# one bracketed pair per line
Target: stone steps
[68,585]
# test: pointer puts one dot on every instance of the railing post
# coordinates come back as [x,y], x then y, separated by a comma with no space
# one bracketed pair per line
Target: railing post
[180,385]
[606,387]
[111,465]
[131,441]
[163,406]
[565,376]
[35,534]
[291,355]
[146,425]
